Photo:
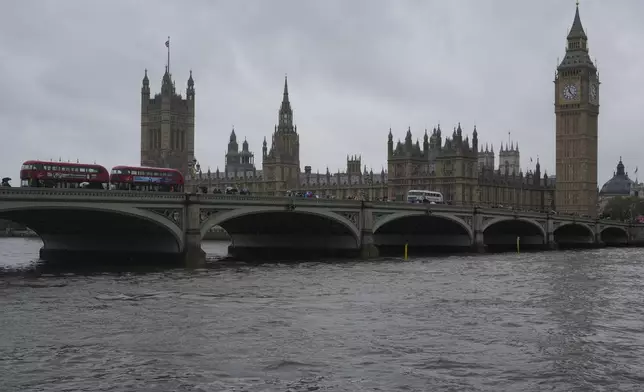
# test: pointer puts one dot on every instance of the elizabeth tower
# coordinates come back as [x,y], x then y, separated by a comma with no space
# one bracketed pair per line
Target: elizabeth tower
[576,110]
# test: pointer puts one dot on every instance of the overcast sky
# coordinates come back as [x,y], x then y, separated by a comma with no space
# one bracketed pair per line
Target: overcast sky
[71,74]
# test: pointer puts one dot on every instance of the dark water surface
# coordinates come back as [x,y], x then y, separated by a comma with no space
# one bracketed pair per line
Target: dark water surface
[557,321]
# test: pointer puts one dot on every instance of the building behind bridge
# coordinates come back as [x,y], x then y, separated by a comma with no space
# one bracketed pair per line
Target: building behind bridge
[457,166]
[167,124]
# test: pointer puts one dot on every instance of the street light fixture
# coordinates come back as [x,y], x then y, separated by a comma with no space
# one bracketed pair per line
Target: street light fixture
[194,168]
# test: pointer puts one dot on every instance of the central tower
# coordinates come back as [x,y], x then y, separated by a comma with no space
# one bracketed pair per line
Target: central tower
[281,164]
[576,111]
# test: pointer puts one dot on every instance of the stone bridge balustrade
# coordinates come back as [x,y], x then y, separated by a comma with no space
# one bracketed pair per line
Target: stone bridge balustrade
[89,223]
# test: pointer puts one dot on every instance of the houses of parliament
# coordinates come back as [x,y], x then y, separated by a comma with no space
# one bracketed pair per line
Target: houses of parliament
[453,162]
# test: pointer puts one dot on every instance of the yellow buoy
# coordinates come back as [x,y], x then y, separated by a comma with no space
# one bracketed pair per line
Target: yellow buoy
[406,246]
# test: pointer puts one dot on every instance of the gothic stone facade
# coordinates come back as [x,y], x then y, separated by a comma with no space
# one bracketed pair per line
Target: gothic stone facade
[354,183]
[281,164]
[450,168]
[167,125]
[239,163]
[462,173]
[349,184]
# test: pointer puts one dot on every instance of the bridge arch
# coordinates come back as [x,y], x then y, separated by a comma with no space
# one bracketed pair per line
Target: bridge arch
[268,231]
[439,215]
[422,230]
[574,233]
[502,232]
[614,235]
[92,227]
[533,223]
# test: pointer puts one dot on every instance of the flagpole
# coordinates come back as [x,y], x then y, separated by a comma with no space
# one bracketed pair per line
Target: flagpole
[168,55]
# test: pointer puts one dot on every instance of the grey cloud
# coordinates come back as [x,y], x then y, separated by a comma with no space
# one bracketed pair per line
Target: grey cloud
[71,74]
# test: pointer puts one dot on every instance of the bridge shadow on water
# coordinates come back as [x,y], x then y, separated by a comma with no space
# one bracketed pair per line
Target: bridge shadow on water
[216,251]
[41,268]
[217,259]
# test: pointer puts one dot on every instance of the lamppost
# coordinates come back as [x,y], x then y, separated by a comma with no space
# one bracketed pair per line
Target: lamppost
[370,183]
[195,167]
[209,180]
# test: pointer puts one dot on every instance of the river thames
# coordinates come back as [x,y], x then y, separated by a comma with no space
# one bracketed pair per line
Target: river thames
[555,321]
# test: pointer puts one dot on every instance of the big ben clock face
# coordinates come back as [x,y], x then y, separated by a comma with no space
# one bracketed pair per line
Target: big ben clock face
[593,92]
[570,92]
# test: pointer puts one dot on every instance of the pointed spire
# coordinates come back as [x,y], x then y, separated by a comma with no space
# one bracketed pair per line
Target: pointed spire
[577,30]
[285,112]
[285,98]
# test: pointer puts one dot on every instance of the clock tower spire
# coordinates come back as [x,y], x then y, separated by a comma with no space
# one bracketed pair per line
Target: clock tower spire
[576,112]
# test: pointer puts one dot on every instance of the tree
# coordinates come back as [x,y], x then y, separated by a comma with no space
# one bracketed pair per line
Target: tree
[623,208]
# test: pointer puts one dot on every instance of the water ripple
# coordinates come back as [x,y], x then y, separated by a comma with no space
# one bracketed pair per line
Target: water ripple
[558,321]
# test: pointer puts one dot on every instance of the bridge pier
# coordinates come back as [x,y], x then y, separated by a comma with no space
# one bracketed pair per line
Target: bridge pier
[478,248]
[193,255]
[478,242]
[368,248]
[550,246]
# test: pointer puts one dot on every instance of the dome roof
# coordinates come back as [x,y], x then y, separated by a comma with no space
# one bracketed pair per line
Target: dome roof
[619,185]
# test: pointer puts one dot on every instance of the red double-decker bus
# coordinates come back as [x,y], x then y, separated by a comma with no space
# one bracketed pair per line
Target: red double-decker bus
[63,175]
[146,179]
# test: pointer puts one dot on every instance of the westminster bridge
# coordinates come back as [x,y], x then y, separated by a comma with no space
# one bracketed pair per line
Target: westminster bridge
[89,224]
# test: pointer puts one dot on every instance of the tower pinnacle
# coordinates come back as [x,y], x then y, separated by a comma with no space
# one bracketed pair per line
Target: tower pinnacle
[577,29]
[286,104]
[286,113]
[577,48]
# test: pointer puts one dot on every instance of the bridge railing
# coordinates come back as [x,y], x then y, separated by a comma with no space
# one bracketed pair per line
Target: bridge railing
[34,193]
[277,199]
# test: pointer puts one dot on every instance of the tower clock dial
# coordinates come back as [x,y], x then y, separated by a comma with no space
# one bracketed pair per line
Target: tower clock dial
[570,92]
[593,92]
